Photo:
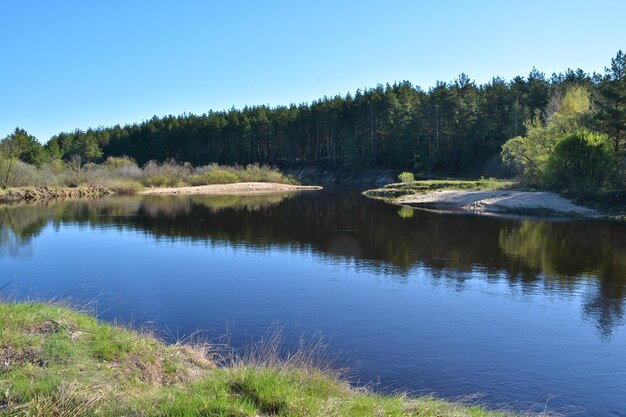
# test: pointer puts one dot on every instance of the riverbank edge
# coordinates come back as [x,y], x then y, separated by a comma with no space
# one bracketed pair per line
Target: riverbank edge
[33,194]
[57,361]
[485,197]
[238,188]
[38,194]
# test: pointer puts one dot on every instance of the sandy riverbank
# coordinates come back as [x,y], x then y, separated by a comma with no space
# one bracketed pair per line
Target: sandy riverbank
[236,188]
[498,202]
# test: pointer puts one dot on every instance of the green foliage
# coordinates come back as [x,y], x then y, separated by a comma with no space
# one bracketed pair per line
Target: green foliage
[215,176]
[262,173]
[121,186]
[611,103]
[78,146]
[528,155]
[157,180]
[119,162]
[15,148]
[406,177]
[20,145]
[581,163]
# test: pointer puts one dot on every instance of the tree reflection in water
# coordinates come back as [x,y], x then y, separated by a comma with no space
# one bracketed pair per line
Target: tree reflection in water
[560,256]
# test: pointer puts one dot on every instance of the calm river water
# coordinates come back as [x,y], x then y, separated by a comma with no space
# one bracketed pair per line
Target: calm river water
[522,313]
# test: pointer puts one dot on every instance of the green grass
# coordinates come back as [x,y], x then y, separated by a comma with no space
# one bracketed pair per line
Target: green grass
[57,362]
[397,190]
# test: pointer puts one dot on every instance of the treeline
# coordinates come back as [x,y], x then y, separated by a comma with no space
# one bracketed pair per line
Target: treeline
[454,128]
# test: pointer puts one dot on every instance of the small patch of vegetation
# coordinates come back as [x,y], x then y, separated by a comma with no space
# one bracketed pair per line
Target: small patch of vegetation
[57,362]
[406,177]
[216,176]
[394,191]
[122,186]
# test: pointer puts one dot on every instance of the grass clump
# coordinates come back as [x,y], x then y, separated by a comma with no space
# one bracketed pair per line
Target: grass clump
[397,190]
[58,362]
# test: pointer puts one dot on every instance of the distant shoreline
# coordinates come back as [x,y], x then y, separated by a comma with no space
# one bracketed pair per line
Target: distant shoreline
[239,188]
[483,196]
[37,194]
[499,202]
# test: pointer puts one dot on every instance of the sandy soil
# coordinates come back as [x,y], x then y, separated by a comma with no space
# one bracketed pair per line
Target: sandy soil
[497,202]
[237,188]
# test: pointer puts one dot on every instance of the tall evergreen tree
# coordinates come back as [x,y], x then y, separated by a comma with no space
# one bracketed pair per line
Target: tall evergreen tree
[611,106]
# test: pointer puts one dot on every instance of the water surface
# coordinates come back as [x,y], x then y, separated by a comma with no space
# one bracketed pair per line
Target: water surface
[525,313]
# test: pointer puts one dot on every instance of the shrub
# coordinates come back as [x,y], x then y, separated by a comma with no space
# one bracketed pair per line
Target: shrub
[251,173]
[581,163]
[117,162]
[122,186]
[167,174]
[160,180]
[215,176]
[19,173]
[528,155]
[406,177]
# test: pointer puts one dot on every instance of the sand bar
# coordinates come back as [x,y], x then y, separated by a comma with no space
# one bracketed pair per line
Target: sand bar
[497,202]
[236,188]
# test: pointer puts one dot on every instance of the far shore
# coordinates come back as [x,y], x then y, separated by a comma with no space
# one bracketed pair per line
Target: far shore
[483,196]
[239,188]
[499,202]
[38,194]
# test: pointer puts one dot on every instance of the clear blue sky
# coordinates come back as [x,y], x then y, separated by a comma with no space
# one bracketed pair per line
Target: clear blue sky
[76,64]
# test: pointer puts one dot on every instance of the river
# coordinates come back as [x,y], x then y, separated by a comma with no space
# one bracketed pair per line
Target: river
[521,313]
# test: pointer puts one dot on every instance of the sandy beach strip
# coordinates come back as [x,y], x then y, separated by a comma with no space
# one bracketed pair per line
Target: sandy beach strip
[497,202]
[236,188]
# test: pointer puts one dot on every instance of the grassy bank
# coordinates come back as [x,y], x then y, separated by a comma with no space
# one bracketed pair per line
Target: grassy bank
[57,362]
[402,189]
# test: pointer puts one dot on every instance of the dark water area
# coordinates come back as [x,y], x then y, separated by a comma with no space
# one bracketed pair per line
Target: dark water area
[522,313]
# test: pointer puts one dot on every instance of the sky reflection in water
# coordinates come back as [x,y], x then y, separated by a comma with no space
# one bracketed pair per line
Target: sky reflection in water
[522,311]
